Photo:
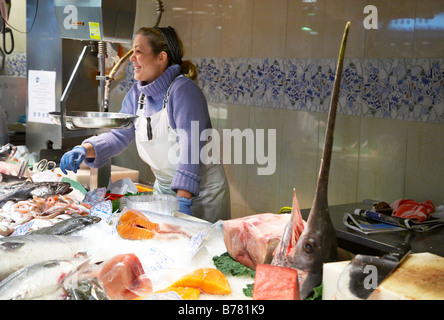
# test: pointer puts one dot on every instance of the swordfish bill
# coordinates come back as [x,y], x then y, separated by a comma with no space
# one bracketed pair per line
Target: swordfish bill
[317,244]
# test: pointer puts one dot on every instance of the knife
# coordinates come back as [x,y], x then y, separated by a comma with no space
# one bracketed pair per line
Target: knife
[365,273]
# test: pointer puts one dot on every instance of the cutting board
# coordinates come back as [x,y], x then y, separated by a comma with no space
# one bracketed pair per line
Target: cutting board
[419,277]
[83,174]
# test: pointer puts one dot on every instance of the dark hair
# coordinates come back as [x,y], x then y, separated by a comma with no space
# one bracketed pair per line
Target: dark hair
[158,44]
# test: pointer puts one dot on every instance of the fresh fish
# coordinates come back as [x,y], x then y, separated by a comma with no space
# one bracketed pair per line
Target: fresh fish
[317,244]
[21,251]
[39,279]
[86,289]
[7,151]
[68,226]
[30,189]
[10,180]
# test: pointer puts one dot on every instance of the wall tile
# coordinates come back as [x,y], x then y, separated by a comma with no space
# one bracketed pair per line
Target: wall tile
[237,28]
[424,163]
[394,36]
[429,29]
[382,159]
[238,117]
[263,190]
[179,15]
[305,29]
[207,26]
[337,13]
[343,178]
[298,157]
[269,28]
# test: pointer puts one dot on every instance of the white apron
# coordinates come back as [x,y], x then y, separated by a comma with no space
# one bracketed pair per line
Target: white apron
[213,202]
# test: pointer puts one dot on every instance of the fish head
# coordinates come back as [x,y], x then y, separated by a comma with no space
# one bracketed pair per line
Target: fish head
[51,188]
[316,246]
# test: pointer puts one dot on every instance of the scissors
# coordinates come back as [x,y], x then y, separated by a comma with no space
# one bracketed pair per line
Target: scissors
[44,165]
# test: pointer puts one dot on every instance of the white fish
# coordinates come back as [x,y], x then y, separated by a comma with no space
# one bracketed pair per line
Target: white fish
[22,251]
[38,280]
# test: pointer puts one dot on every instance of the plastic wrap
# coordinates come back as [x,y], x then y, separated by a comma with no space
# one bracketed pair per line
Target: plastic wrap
[251,240]
[38,280]
[161,203]
[409,209]
[124,278]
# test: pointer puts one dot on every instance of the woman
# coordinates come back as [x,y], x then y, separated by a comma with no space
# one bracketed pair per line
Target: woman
[169,103]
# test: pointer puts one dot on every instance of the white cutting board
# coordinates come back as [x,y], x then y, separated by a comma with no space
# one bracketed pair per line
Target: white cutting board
[419,277]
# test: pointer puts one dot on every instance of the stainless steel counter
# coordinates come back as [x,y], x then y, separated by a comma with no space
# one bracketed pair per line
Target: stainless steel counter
[431,241]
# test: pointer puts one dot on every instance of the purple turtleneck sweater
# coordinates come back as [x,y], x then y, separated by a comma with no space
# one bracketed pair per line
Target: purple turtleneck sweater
[186,104]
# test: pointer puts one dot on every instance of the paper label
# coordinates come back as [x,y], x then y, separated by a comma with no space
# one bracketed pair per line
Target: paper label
[155,260]
[94,30]
[23,229]
[196,242]
[103,210]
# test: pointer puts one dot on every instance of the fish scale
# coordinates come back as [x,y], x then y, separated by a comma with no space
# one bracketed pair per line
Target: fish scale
[20,251]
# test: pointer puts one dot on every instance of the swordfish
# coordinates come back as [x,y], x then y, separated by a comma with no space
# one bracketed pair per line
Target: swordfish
[317,244]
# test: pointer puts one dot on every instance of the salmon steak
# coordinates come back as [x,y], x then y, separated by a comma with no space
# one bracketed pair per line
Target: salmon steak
[124,278]
[207,280]
[135,225]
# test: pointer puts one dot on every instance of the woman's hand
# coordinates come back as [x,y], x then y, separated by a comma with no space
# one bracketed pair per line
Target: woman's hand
[185,201]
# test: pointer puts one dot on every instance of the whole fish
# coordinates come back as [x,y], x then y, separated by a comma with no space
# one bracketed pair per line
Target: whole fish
[68,226]
[30,189]
[317,244]
[21,251]
[86,289]
[39,279]
[10,180]
[7,151]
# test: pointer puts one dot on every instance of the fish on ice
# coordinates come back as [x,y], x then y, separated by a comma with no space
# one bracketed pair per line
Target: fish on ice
[29,189]
[20,251]
[39,279]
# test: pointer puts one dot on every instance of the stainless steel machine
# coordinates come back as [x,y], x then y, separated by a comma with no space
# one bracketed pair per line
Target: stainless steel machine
[78,54]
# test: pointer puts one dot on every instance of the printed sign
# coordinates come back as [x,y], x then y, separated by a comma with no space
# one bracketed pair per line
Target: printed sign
[94,30]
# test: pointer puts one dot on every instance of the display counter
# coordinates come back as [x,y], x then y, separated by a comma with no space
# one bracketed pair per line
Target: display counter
[359,243]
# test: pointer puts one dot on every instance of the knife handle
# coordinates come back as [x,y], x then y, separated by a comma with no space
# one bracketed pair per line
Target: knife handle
[399,251]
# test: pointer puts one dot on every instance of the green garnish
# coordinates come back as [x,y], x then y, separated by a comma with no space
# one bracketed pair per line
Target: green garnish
[227,265]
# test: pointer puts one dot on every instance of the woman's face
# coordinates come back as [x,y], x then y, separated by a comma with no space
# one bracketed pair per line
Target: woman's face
[147,66]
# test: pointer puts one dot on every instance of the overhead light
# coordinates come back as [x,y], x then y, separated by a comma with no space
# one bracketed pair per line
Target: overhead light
[306,28]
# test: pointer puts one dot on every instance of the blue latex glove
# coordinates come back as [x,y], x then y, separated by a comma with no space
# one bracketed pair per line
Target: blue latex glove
[72,159]
[185,205]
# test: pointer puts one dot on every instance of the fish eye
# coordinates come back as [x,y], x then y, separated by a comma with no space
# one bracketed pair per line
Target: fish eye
[309,245]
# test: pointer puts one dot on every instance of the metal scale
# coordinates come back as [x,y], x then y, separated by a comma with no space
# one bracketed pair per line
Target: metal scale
[96,21]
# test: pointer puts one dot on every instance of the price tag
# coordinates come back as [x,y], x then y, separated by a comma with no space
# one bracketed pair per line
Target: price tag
[103,210]
[155,260]
[196,242]
[23,229]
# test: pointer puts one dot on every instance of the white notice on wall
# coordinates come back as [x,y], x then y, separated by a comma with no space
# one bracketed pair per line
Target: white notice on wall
[41,95]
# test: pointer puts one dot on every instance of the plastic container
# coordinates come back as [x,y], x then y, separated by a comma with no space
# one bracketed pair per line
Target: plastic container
[162,204]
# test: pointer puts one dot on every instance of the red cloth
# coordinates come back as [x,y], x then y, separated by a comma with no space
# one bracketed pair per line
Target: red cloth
[409,209]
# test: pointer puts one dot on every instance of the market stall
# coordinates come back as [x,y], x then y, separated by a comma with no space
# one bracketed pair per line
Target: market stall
[107,248]
[121,241]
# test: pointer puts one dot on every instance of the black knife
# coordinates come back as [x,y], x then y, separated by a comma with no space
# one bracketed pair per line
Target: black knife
[365,273]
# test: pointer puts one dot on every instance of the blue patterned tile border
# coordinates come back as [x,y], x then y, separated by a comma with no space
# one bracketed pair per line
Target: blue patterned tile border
[401,89]
[15,65]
